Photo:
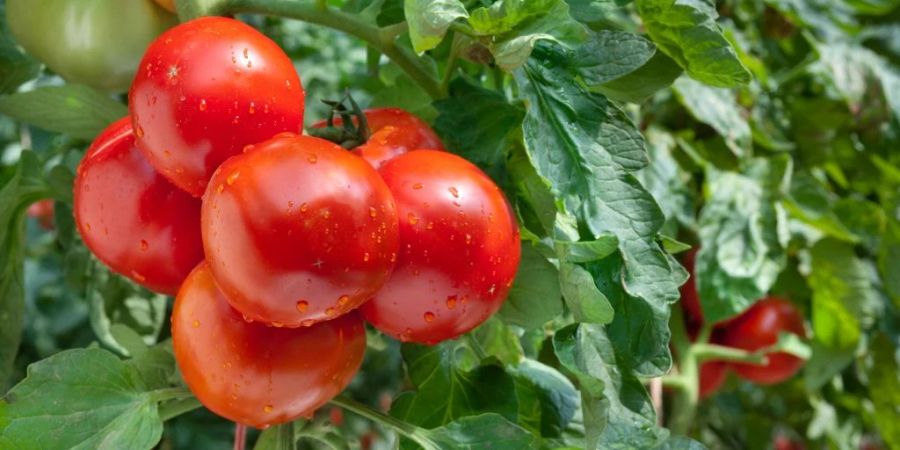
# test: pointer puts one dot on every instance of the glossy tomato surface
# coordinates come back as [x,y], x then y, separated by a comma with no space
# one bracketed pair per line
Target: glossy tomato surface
[206,89]
[298,230]
[757,328]
[255,374]
[712,376]
[459,249]
[131,217]
[394,132]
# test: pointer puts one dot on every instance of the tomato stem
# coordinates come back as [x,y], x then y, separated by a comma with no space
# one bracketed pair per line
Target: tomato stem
[287,440]
[706,352]
[687,394]
[240,436]
[382,39]
[178,407]
[403,428]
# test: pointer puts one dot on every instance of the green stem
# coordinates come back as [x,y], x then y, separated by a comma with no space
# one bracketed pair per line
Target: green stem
[404,429]
[287,440]
[178,407]
[381,39]
[476,346]
[451,63]
[175,393]
[708,352]
[684,406]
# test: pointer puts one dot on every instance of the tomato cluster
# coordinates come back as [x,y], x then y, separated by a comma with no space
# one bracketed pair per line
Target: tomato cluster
[753,330]
[279,244]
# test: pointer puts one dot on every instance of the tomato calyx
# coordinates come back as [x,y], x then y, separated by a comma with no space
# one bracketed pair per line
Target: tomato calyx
[353,129]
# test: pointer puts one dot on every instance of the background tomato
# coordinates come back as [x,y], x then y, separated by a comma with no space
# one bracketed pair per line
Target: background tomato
[757,328]
[206,89]
[459,249]
[254,374]
[298,230]
[690,300]
[94,42]
[132,218]
[42,211]
[393,132]
[712,376]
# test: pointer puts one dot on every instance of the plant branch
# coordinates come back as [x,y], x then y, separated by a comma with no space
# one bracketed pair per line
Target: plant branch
[405,429]
[707,352]
[382,39]
[687,394]
[178,407]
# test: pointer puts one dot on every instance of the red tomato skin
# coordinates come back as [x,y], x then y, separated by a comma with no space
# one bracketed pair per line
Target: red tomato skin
[758,327]
[42,211]
[298,230]
[394,132]
[690,299]
[459,249]
[204,90]
[712,376]
[132,218]
[254,374]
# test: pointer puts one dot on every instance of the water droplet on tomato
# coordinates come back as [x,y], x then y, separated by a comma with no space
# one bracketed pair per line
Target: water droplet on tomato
[139,132]
[329,311]
[453,191]
[144,245]
[312,158]
[393,257]
[429,317]
[249,148]
[246,53]
[87,226]
[343,300]
[232,177]
[373,212]
[287,84]
[468,238]
[304,207]
[302,305]
[247,318]
[252,109]
[267,408]
[430,225]
[412,218]
[277,324]
[307,323]
[451,302]
[202,105]
[196,324]
[220,188]
[365,257]
[417,186]
[137,276]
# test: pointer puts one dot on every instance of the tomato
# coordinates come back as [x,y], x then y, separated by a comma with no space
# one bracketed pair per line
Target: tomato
[206,89]
[459,249]
[757,328]
[254,374]
[42,211]
[132,218]
[168,4]
[94,42]
[298,230]
[393,132]
[690,300]
[712,376]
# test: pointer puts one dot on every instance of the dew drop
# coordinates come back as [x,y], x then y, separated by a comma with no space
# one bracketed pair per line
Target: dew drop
[249,148]
[87,226]
[196,324]
[277,324]
[144,245]
[220,188]
[312,158]
[365,257]
[329,311]
[232,177]
[429,317]
[137,276]
[417,186]
[252,109]
[454,191]
[430,225]
[468,238]
[247,319]
[139,132]
[202,105]
[343,301]
[451,302]
[267,408]
[302,305]
[373,212]
[246,53]
[393,257]
[412,218]
[326,213]
[307,323]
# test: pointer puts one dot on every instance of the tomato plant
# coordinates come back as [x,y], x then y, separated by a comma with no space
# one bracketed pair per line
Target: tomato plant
[547,224]
[297,230]
[98,43]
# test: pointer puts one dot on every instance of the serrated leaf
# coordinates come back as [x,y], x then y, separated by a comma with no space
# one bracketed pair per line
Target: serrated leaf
[515,26]
[482,432]
[884,389]
[811,202]
[547,399]
[429,20]
[72,109]
[535,297]
[667,181]
[719,109]
[588,251]
[636,86]
[616,407]
[608,55]
[587,303]
[686,30]
[742,236]
[80,399]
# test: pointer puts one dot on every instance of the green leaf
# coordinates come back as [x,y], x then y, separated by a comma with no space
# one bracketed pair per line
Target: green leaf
[116,300]
[719,109]
[811,202]
[889,262]
[482,432]
[851,69]
[667,181]
[742,236]
[535,297]
[608,55]
[72,109]
[476,122]
[657,74]
[884,389]
[586,302]
[547,399]
[616,407]
[824,364]
[515,26]
[499,340]
[845,298]
[447,388]
[686,30]
[429,20]
[587,150]
[588,251]
[80,399]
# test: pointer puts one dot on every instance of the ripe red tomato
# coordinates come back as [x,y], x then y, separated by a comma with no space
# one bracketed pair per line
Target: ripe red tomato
[690,300]
[298,230]
[758,327]
[42,211]
[204,90]
[254,374]
[394,132]
[132,218]
[712,376]
[459,249]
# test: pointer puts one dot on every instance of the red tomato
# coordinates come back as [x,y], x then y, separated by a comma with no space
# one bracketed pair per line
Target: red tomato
[712,377]
[204,90]
[42,211]
[459,249]
[758,327]
[132,218]
[298,230]
[394,132]
[690,300]
[254,374]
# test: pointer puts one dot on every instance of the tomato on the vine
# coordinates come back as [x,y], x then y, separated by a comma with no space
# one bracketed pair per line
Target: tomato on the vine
[712,376]
[255,374]
[459,249]
[690,300]
[132,218]
[205,90]
[42,211]
[298,230]
[759,327]
[393,132]
[97,43]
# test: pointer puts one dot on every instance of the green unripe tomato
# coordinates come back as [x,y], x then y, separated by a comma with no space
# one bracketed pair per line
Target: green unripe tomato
[94,42]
